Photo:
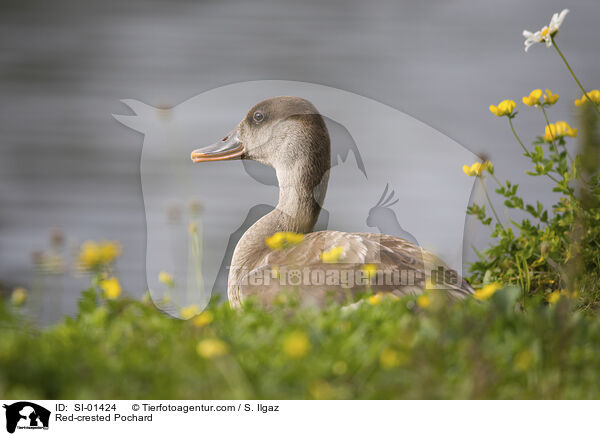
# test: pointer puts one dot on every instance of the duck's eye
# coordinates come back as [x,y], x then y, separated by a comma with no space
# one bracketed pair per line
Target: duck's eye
[258,117]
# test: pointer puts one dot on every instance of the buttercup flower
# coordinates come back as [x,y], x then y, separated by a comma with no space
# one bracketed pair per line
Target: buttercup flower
[558,130]
[296,345]
[547,32]
[505,107]
[282,240]
[477,168]
[370,270]
[211,347]
[374,300]
[487,291]
[18,296]
[423,301]
[550,98]
[203,319]
[563,129]
[111,288]
[550,133]
[594,96]
[95,254]
[533,99]
[553,297]
[190,311]
[333,255]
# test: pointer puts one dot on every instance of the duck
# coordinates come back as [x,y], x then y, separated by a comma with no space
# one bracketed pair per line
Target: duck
[281,252]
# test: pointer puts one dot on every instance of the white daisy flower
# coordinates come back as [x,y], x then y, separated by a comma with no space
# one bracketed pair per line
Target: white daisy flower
[547,32]
[556,21]
[532,38]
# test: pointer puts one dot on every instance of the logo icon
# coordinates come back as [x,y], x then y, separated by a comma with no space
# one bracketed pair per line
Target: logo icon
[26,415]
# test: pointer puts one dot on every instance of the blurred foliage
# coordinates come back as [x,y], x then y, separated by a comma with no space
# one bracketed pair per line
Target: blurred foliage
[389,348]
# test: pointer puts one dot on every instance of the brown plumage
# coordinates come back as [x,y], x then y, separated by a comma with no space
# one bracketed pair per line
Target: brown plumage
[290,135]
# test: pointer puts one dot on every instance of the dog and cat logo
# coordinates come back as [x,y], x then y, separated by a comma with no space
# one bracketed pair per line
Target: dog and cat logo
[26,415]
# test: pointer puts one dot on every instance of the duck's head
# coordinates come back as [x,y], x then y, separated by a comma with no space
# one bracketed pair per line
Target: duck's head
[281,132]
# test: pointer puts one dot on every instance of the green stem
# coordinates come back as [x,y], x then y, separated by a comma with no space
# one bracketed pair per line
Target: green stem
[574,76]
[568,154]
[521,282]
[523,147]
[496,179]
[517,137]
[490,202]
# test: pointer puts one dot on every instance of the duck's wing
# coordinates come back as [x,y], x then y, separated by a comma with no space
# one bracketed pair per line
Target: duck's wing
[400,267]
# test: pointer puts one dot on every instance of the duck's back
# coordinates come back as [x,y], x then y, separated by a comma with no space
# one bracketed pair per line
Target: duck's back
[332,264]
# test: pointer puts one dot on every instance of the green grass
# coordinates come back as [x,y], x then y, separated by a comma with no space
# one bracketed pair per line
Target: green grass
[395,349]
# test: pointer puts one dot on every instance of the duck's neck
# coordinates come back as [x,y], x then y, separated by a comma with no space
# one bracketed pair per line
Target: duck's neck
[301,194]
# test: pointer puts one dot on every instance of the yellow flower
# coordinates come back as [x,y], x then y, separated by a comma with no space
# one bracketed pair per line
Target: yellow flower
[203,319]
[89,255]
[558,130]
[477,168]
[332,256]
[111,288]
[296,345]
[281,240]
[563,129]
[423,301]
[550,133]
[96,254]
[211,347]
[533,99]
[487,291]
[389,358]
[370,270]
[109,251]
[553,297]
[18,296]
[166,278]
[374,300]
[594,95]
[506,107]
[538,262]
[190,311]
[550,98]
[487,166]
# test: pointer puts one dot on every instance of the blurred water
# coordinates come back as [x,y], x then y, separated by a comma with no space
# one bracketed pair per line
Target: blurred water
[64,66]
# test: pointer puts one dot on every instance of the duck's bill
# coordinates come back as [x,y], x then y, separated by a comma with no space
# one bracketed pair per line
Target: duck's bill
[230,147]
